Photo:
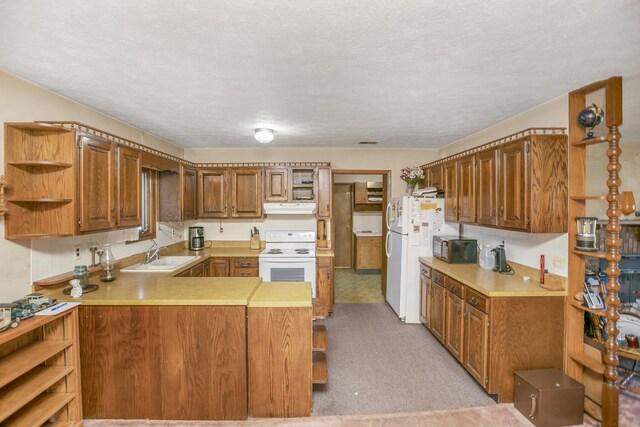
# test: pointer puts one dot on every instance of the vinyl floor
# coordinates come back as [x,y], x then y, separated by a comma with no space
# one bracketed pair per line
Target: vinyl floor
[353,288]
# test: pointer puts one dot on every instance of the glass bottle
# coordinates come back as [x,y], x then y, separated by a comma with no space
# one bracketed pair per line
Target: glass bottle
[108,263]
[81,273]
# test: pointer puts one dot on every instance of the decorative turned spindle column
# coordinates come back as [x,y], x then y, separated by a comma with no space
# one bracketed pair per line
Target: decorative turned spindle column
[610,391]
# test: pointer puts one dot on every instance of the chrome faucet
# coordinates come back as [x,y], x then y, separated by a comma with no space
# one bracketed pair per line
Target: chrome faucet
[153,253]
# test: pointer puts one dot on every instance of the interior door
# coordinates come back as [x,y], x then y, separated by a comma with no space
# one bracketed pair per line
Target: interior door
[342,217]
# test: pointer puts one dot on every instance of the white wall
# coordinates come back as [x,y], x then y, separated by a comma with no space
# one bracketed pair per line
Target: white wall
[523,248]
[21,101]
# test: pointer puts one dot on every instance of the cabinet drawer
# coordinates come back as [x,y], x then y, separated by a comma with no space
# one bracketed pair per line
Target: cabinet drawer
[245,262]
[477,300]
[375,240]
[438,277]
[425,271]
[454,286]
[245,272]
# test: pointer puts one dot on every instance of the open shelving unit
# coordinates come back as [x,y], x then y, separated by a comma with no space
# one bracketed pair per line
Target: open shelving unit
[580,361]
[39,372]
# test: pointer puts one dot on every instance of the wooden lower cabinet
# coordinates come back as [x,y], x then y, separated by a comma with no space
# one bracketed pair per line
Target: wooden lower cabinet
[279,361]
[476,344]
[233,267]
[425,295]
[164,362]
[492,337]
[454,315]
[323,304]
[368,253]
[219,267]
[437,310]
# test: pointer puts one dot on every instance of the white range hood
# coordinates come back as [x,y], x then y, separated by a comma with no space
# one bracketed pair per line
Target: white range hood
[289,208]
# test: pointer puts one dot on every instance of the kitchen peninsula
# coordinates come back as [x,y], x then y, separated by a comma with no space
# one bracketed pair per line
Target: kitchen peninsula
[160,346]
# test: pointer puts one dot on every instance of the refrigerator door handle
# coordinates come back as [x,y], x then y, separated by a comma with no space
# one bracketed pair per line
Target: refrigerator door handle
[387,215]
[386,244]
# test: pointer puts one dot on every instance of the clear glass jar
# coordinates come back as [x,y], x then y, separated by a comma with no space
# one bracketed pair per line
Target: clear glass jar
[108,264]
[81,272]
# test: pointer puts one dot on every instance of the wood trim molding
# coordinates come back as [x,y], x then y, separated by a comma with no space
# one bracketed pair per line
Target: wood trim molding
[360,171]
[499,141]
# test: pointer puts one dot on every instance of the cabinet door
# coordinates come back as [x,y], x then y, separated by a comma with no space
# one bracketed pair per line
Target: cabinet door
[219,267]
[129,187]
[276,184]
[189,198]
[97,185]
[487,187]
[467,189]
[451,191]
[324,287]
[212,193]
[424,302]
[360,196]
[454,324]
[476,344]
[435,177]
[514,185]
[325,192]
[368,253]
[438,311]
[198,270]
[246,193]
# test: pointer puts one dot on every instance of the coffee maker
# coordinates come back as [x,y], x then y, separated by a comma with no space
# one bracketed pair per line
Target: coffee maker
[501,265]
[196,238]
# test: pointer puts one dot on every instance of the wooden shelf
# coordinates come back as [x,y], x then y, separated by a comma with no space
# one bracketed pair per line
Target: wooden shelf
[39,410]
[588,197]
[39,200]
[319,338]
[26,388]
[591,141]
[40,163]
[302,185]
[578,305]
[26,326]
[593,409]
[593,365]
[42,126]
[594,254]
[23,360]
[320,370]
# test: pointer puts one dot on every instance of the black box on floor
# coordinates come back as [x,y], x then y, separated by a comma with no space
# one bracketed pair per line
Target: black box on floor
[548,398]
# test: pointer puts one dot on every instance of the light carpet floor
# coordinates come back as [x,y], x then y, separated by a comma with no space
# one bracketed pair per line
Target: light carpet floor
[377,364]
[351,287]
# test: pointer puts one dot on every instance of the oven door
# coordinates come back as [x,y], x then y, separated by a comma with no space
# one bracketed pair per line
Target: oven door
[289,270]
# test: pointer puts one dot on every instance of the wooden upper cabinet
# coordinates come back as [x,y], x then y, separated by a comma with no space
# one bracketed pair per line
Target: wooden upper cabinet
[514,185]
[487,187]
[189,201]
[212,193]
[325,192]
[467,189]
[435,177]
[246,192]
[276,184]
[96,189]
[129,212]
[450,174]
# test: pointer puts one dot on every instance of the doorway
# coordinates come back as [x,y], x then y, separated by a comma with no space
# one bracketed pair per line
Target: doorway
[359,198]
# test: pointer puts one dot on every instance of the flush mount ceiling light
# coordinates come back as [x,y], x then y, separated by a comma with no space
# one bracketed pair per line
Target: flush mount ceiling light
[264,135]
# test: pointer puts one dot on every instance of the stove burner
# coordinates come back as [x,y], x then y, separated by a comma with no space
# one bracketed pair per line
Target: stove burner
[275,251]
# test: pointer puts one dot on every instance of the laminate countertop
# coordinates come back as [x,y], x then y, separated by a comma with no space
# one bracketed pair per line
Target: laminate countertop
[282,294]
[493,284]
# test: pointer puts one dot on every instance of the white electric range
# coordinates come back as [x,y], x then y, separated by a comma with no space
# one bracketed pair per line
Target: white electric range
[289,256]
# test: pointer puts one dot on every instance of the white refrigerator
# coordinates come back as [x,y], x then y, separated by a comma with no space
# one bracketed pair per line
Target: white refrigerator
[412,223]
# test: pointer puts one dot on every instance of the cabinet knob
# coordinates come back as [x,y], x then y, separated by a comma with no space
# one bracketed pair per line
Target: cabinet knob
[501,210]
[458,308]
[493,212]
[474,302]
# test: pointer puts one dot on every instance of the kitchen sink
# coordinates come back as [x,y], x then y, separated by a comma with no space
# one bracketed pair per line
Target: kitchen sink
[164,264]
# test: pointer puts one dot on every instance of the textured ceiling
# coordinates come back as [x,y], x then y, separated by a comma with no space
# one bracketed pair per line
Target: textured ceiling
[323,73]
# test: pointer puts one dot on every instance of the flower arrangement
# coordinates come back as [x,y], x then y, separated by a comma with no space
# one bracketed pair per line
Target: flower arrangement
[411,175]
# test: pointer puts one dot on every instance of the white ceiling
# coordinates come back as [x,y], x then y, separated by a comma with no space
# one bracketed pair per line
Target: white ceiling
[323,73]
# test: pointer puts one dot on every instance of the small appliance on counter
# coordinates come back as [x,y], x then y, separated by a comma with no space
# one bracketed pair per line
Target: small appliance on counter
[455,249]
[501,265]
[196,238]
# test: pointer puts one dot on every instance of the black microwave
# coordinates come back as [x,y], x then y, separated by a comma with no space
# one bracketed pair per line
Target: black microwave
[455,249]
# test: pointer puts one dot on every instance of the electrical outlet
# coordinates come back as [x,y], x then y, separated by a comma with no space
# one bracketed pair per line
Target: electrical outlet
[76,253]
[559,262]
